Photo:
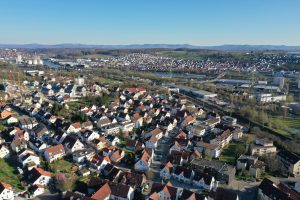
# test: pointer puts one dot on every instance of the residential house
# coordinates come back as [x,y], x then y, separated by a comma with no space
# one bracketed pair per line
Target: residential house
[117,156]
[30,160]
[132,179]
[189,195]
[83,155]
[40,131]
[180,144]
[220,193]
[72,144]
[5,114]
[103,193]
[114,191]
[166,172]
[4,151]
[161,191]
[137,119]
[6,191]
[35,190]
[179,157]
[126,126]
[134,145]
[210,123]
[290,161]
[188,120]
[37,145]
[251,164]
[223,139]
[222,172]
[27,123]
[11,120]
[237,134]
[53,153]
[183,174]
[89,135]
[122,117]
[38,176]
[268,190]
[144,162]
[99,162]
[88,125]
[196,130]
[205,181]
[100,143]
[210,150]
[103,121]
[21,134]
[74,128]
[112,129]
[18,145]
[263,147]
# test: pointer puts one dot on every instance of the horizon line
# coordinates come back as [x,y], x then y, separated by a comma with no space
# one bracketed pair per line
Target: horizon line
[128,44]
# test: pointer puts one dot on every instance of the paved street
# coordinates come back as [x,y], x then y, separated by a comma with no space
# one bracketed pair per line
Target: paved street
[162,151]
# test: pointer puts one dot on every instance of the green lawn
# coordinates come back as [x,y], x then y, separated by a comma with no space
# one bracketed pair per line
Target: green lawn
[290,126]
[8,174]
[107,80]
[61,166]
[229,153]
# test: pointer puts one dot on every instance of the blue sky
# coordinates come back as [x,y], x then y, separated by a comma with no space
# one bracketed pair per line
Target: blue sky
[198,22]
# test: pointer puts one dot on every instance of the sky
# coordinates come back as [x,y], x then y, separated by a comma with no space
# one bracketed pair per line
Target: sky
[111,22]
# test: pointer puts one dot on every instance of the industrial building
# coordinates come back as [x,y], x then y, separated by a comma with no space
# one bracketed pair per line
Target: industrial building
[197,93]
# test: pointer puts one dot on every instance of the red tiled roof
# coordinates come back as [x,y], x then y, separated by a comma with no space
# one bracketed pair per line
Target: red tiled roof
[76,125]
[102,193]
[135,89]
[42,172]
[58,149]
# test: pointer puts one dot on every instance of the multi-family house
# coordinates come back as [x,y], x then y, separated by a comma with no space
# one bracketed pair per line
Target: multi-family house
[222,172]
[166,172]
[262,147]
[114,191]
[223,139]
[161,191]
[196,130]
[183,174]
[290,161]
[144,162]
[268,190]
[210,150]
[205,181]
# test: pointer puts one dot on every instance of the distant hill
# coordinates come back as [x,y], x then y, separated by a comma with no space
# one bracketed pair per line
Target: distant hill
[157,46]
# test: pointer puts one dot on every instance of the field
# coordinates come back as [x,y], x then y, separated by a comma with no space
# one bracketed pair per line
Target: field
[8,174]
[291,126]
